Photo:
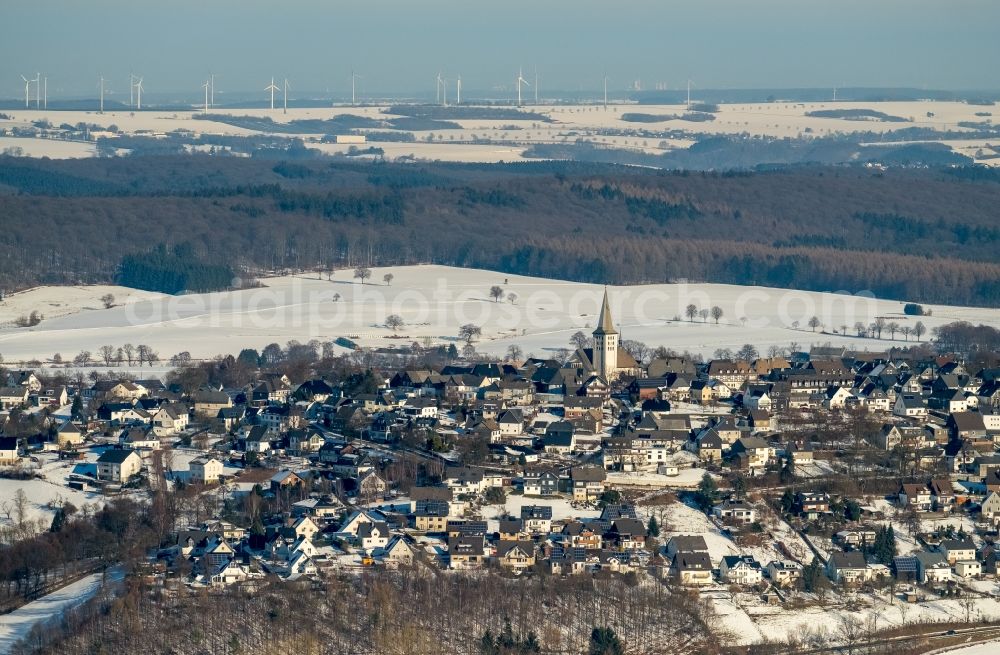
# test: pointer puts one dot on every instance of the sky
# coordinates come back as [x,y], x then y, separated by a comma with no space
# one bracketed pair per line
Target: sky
[399,46]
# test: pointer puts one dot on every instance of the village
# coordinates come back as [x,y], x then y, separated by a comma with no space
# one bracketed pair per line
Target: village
[775,487]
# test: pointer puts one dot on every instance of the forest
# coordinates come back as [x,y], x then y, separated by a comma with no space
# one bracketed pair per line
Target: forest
[195,222]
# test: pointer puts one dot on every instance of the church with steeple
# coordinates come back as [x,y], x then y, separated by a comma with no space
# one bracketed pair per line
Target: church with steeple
[607,359]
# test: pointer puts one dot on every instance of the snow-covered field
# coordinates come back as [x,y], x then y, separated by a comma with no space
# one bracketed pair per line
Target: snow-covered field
[569,123]
[433,302]
[53,148]
[49,491]
[991,648]
[18,624]
[53,302]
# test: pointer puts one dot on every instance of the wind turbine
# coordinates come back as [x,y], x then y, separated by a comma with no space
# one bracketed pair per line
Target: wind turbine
[437,90]
[536,85]
[272,88]
[206,85]
[131,90]
[285,110]
[27,91]
[138,94]
[45,96]
[101,85]
[458,90]
[689,94]
[38,90]
[520,81]
[211,79]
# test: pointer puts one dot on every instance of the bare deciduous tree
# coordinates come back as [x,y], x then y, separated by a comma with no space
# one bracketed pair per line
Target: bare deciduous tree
[362,273]
[394,322]
[469,332]
[107,354]
[580,340]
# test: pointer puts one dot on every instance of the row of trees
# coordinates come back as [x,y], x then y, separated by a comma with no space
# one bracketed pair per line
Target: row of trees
[127,354]
[692,312]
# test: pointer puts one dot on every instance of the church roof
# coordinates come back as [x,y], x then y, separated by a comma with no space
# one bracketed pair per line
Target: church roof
[604,323]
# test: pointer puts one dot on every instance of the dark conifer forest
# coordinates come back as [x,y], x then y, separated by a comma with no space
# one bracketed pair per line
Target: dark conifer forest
[175,223]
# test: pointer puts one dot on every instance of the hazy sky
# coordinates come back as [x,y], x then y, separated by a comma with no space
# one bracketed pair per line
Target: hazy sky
[399,45]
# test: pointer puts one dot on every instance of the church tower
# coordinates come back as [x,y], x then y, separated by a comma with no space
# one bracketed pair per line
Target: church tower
[605,343]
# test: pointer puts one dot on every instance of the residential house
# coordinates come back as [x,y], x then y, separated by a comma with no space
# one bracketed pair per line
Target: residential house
[991,507]
[932,567]
[69,435]
[517,556]
[741,570]
[537,519]
[692,569]
[855,538]
[737,512]
[432,516]
[812,504]
[466,552]
[285,480]
[709,446]
[116,465]
[205,470]
[9,451]
[397,553]
[372,536]
[587,535]
[957,550]
[968,569]
[464,480]
[686,544]
[910,407]
[208,402]
[627,534]
[915,496]
[13,397]
[847,568]
[139,438]
[588,482]
[942,495]
[784,572]
[170,419]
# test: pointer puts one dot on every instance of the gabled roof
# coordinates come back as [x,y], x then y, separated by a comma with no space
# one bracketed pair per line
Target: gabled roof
[851,560]
[114,456]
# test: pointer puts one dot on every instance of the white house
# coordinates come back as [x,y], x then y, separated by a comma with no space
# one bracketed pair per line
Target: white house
[8,451]
[735,511]
[116,465]
[910,407]
[206,470]
[955,550]
[968,569]
[741,570]
[373,535]
[170,419]
[991,507]
[784,572]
